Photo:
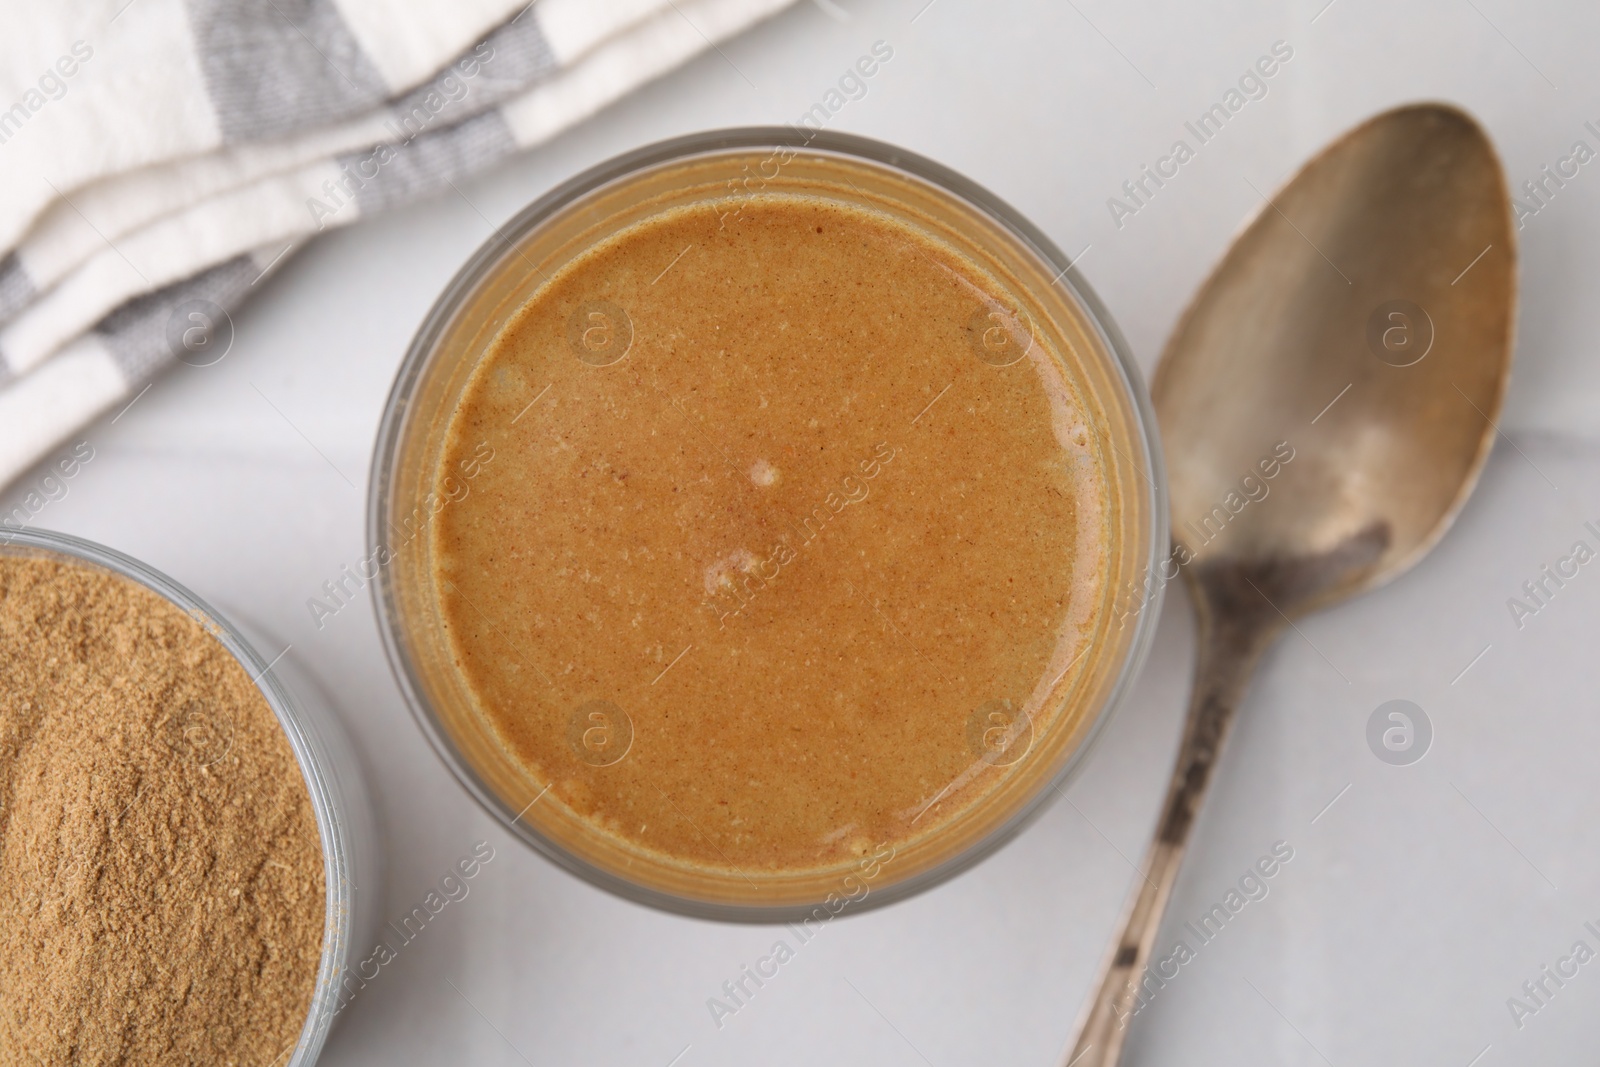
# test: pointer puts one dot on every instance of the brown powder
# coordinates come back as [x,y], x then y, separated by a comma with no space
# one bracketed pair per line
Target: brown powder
[161,880]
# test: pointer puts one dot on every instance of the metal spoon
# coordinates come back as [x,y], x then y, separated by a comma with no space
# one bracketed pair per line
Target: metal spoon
[1362,325]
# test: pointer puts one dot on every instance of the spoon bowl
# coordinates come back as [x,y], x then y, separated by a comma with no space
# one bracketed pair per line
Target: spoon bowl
[1364,321]
[1326,404]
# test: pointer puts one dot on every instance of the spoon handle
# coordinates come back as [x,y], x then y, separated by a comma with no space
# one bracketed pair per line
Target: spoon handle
[1228,650]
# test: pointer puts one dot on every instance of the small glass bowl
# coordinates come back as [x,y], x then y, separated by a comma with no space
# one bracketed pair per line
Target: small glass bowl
[717,169]
[332,773]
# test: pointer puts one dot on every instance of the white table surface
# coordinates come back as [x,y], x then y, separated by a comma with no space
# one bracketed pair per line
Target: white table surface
[1413,907]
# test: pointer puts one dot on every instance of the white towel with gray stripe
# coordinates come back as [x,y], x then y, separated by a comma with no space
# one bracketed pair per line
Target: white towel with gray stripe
[158,156]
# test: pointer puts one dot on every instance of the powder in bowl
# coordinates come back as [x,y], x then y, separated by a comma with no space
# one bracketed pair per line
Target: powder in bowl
[161,874]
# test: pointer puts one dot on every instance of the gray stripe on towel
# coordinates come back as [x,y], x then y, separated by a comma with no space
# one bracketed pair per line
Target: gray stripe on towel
[395,174]
[279,66]
[16,288]
[507,63]
[143,334]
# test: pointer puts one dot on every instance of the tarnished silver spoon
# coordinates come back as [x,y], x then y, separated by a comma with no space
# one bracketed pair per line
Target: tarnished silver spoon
[1361,327]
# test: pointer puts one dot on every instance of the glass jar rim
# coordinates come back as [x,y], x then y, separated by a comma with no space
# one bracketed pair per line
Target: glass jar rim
[482,265]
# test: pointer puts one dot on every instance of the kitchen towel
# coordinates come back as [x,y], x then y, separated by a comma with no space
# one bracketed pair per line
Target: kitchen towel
[158,158]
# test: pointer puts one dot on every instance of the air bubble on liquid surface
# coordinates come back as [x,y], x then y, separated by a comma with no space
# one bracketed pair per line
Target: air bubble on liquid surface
[763,473]
[720,573]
